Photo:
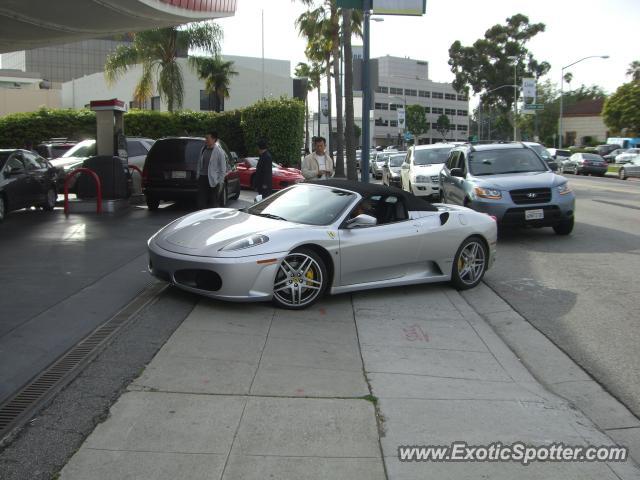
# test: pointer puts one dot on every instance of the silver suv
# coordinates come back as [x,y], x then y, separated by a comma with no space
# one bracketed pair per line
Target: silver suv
[510,182]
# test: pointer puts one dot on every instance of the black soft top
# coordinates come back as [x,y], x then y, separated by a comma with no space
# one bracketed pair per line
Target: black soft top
[413,203]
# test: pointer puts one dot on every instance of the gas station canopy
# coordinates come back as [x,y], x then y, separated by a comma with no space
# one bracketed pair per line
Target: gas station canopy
[38,23]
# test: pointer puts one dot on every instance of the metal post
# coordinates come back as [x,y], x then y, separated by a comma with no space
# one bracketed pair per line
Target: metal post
[366,95]
[263,54]
[561,105]
[515,101]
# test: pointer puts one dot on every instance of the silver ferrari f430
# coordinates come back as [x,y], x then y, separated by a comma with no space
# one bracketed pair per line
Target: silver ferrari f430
[332,235]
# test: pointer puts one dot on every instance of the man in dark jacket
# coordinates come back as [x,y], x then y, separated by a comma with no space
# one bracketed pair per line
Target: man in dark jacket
[263,175]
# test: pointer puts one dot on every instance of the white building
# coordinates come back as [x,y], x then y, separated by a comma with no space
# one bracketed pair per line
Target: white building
[405,81]
[25,92]
[245,88]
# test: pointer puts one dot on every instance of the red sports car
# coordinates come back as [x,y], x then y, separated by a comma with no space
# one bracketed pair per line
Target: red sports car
[282,177]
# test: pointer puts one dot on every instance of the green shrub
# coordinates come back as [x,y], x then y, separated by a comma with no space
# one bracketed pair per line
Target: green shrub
[281,123]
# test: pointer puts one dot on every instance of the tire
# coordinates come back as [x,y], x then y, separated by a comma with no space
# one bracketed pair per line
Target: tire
[152,202]
[236,195]
[294,289]
[3,208]
[50,200]
[472,251]
[565,227]
[622,175]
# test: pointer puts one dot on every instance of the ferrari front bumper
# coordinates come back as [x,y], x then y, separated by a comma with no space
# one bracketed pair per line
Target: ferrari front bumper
[248,278]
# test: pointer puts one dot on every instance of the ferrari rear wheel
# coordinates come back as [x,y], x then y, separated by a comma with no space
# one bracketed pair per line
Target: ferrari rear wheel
[300,281]
[469,264]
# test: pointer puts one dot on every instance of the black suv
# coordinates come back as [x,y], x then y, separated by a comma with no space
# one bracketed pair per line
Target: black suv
[170,172]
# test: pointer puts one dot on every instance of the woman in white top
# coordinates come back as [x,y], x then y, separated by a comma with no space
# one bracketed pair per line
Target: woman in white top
[318,164]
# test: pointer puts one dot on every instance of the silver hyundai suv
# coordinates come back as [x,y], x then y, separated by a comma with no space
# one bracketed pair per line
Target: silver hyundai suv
[510,182]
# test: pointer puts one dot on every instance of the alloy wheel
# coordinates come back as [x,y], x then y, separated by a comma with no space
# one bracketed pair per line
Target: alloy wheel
[299,281]
[471,263]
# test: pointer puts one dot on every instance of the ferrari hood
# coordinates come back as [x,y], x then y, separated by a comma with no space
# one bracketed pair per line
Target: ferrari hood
[205,232]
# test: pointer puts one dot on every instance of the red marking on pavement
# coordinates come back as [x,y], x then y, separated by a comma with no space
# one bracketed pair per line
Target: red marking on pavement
[415,333]
[323,311]
[205,381]
[300,391]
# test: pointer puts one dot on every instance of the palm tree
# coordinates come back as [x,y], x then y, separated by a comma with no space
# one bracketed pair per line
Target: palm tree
[312,73]
[634,70]
[157,51]
[217,75]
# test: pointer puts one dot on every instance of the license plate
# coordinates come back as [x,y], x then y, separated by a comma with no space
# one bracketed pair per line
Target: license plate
[179,174]
[534,214]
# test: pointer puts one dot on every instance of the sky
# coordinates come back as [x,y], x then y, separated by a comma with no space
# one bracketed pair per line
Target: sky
[574,29]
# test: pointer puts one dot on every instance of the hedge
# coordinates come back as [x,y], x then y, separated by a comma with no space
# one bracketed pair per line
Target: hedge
[280,121]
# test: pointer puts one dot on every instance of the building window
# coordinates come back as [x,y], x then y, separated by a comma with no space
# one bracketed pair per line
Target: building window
[395,91]
[437,110]
[437,95]
[155,103]
[395,106]
[424,94]
[463,98]
[382,106]
[393,123]
[381,123]
[207,101]
[449,96]
[427,109]
[434,126]
[450,111]
[462,113]
[462,128]
[411,93]
[382,90]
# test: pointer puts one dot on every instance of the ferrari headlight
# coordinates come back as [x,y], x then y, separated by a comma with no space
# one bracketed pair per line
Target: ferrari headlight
[564,188]
[488,193]
[248,242]
[422,179]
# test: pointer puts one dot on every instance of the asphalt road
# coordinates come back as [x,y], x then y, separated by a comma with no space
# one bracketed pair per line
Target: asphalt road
[583,291]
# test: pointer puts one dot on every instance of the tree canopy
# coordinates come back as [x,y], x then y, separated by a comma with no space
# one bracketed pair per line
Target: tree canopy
[416,120]
[444,125]
[622,109]
[489,62]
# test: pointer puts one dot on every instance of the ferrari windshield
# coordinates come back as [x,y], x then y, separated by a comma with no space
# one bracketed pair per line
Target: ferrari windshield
[308,204]
[512,160]
[430,156]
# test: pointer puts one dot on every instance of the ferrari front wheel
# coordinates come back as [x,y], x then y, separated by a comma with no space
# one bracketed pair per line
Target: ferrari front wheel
[469,264]
[300,281]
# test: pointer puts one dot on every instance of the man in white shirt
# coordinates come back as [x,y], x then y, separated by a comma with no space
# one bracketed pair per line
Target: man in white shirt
[318,164]
[212,167]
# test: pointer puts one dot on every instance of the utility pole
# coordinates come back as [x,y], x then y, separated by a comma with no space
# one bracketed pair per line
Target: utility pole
[366,95]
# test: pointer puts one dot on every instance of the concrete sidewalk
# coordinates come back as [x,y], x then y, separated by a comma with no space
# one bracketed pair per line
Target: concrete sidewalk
[249,392]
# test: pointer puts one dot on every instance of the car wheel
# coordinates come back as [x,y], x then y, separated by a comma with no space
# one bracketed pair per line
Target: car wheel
[565,227]
[622,175]
[50,200]
[152,202]
[236,195]
[3,208]
[300,281]
[469,264]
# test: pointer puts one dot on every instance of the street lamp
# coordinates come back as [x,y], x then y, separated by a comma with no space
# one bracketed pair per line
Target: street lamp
[515,95]
[562,92]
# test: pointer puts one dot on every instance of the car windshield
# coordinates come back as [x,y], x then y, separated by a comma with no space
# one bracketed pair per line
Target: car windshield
[592,157]
[3,158]
[431,156]
[86,148]
[540,150]
[496,162]
[308,204]
[396,160]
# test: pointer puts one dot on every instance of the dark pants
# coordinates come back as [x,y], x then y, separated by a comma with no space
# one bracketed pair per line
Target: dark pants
[208,197]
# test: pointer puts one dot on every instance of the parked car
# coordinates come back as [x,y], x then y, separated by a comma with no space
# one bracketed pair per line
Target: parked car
[26,180]
[544,154]
[611,157]
[170,172]
[510,182]
[54,148]
[606,149]
[283,177]
[585,164]
[627,156]
[559,154]
[630,169]
[421,168]
[392,168]
[279,249]
[378,161]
